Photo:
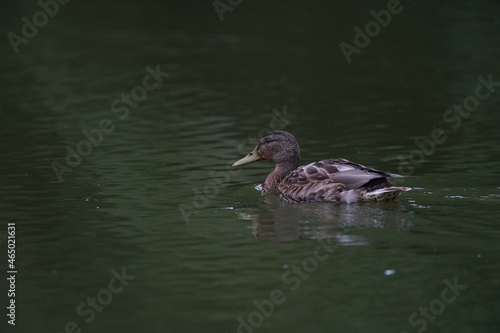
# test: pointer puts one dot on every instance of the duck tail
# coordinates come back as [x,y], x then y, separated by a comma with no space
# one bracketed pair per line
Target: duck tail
[387,193]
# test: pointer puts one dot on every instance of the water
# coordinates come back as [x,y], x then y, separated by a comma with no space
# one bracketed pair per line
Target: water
[195,244]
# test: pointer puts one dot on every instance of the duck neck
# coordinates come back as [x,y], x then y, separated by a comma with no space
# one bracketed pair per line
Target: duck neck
[281,170]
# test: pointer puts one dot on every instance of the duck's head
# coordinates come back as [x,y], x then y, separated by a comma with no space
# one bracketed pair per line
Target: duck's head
[279,147]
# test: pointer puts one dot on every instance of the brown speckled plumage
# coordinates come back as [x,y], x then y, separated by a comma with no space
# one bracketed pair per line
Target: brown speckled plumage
[333,180]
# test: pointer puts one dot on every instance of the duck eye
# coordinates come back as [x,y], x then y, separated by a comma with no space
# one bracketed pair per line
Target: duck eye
[267,140]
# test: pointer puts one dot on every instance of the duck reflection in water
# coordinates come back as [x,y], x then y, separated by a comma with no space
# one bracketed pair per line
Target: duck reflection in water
[280,221]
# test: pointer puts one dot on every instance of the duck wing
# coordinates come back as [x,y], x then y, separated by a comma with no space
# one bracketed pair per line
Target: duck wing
[352,175]
[325,180]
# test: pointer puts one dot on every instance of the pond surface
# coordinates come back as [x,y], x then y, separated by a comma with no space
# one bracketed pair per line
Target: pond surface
[121,121]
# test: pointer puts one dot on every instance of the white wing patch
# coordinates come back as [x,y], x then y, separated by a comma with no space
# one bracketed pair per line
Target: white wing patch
[343,167]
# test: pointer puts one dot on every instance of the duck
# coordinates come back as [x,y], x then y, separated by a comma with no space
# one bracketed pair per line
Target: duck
[336,180]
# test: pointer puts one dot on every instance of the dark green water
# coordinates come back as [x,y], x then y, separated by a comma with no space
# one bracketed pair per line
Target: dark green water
[195,245]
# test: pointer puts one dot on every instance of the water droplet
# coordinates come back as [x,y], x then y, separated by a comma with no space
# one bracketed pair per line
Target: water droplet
[389,272]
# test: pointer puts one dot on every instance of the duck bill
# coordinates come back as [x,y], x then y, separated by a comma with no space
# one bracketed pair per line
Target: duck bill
[253,156]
